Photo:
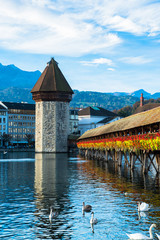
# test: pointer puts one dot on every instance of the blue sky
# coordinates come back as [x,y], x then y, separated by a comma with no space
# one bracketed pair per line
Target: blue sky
[100,45]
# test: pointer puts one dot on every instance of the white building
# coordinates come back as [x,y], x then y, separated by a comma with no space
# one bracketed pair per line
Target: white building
[92,117]
[3,119]
[73,121]
[19,120]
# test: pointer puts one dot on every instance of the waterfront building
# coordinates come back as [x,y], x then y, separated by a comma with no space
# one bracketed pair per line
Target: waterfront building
[3,121]
[93,117]
[73,121]
[52,95]
[18,121]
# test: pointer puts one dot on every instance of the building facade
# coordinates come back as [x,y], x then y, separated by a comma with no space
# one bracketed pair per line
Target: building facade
[18,120]
[93,117]
[3,121]
[73,121]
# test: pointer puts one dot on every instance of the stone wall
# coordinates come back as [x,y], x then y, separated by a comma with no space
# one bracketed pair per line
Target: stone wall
[52,126]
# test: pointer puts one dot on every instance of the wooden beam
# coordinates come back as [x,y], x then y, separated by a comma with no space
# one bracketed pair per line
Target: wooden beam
[145,163]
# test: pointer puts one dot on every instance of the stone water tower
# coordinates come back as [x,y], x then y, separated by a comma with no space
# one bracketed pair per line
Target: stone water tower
[52,95]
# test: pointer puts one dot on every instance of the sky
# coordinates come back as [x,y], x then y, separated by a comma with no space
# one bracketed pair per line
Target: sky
[100,45]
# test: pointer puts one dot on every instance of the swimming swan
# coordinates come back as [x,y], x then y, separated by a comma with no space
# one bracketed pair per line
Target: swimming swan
[52,214]
[93,220]
[86,208]
[140,236]
[142,207]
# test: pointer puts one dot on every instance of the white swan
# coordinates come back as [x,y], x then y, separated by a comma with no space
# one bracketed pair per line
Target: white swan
[141,214]
[158,236]
[142,207]
[52,214]
[93,220]
[140,236]
[86,208]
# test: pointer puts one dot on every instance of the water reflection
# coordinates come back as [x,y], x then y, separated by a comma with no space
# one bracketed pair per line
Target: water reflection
[51,188]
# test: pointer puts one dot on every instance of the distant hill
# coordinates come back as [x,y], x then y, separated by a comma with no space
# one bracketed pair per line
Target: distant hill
[137,94]
[16,84]
[136,108]
[82,99]
[14,94]
[11,76]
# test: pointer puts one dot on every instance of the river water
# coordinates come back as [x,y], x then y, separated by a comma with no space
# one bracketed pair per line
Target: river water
[30,183]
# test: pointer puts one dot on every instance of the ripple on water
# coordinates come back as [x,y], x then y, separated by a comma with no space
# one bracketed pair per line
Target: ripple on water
[29,188]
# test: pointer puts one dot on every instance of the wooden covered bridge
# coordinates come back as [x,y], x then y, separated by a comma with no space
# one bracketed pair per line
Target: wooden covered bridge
[134,138]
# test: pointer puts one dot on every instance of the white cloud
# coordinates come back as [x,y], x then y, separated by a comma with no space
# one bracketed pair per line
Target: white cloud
[38,28]
[74,27]
[111,69]
[98,61]
[136,60]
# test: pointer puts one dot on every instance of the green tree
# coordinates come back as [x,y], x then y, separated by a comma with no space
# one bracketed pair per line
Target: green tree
[6,138]
[29,138]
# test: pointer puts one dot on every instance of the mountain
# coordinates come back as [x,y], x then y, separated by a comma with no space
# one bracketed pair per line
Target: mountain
[14,94]
[156,95]
[16,84]
[82,99]
[138,94]
[11,76]
[135,94]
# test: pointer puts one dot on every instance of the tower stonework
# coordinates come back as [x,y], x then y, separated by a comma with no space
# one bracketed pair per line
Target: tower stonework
[52,95]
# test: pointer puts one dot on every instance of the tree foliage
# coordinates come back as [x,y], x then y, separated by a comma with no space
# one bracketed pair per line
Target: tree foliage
[6,138]
[29,138]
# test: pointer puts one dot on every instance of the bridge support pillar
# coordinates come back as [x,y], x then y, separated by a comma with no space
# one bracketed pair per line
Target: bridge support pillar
[145,163]
[107,155]
[120,158]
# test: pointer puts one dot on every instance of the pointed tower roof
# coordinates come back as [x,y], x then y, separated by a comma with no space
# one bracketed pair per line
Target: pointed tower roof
[52,85]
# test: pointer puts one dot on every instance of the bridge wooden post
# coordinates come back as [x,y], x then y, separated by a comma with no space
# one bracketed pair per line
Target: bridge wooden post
[132,160]
[158,162]
[130,156]
[126,158]
[107,155]
[104,155]
[115,156]
[145,163]
[120,158]
[86,153]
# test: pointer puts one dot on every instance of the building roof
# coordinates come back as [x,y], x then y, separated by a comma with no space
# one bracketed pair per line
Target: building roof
[107,119]
[133,121]
[2,107]
[24,106]
[52,80]
[147,107]
[96,111]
